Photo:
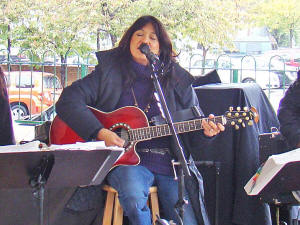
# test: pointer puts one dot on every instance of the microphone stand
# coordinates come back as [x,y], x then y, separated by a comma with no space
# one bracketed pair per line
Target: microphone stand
[182,164]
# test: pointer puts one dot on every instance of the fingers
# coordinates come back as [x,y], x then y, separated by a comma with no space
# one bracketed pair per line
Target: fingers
[221,127]
[115,140]
[210,128]
[110,138]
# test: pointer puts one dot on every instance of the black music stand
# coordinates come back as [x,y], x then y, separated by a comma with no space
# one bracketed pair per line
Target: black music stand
[41,170]
[279,190]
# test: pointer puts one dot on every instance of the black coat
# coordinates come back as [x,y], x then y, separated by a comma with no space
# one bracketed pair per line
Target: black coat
[102,89]
[289,114]
[6,128]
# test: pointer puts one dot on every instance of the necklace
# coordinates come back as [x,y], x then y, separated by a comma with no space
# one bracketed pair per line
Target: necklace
[148,106]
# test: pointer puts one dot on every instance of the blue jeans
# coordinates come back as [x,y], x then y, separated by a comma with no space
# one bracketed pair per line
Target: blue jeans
[133,183]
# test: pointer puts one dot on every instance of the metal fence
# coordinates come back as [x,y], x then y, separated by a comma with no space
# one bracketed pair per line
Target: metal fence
[247,68]
[33,93]
[34,85]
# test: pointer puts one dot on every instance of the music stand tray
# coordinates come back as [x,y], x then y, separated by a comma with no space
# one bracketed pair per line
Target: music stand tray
[42,169]
[278,174]
[70,167]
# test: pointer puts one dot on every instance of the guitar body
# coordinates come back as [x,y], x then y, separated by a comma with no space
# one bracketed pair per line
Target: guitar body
[122,119]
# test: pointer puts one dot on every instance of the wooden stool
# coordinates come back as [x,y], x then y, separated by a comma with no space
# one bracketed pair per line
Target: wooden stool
[113,209]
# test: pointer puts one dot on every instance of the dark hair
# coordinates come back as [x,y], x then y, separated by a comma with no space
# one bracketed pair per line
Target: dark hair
[165,44]
[166,51]
[2,83]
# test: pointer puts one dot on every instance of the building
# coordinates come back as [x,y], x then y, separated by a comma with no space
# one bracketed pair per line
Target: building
[254,41]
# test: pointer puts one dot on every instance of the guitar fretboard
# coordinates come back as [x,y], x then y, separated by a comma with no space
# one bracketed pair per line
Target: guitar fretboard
[150,132]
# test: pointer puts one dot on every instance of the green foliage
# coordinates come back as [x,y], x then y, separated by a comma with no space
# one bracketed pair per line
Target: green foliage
[282,17]
[11,15]
[65,26]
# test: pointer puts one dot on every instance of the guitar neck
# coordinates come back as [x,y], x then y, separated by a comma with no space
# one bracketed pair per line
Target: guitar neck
[150,132]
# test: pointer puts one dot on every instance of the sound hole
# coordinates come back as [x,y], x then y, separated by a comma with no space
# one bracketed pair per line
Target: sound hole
[123,133]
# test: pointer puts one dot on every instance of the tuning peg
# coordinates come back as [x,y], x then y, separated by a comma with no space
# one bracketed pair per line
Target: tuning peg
[230,108]
[246,109]
[238,108]
[247,118]
[229,114]
[240,120]
[250,123]
[244,114]
[243,125]
[236,114]
[236,127]
[232,123]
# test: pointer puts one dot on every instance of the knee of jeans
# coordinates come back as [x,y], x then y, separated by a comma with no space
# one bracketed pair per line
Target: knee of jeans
[135,202]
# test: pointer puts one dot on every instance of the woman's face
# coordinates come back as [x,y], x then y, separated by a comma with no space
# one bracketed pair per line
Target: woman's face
[145,35]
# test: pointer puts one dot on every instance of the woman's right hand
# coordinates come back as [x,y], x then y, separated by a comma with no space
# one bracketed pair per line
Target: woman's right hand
[110,138]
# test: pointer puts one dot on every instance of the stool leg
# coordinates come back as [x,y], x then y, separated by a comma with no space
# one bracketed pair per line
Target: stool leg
[118,212]
[107,216]
[113,209]
[154,206]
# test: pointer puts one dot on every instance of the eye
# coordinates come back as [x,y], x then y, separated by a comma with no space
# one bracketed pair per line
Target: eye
[139,33]
[153,37]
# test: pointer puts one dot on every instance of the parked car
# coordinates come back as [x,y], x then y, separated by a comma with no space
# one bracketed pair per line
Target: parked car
[265,79]
[14,58]
[294,63]
[245,74]
[197,69]
[286,78]
[31,92]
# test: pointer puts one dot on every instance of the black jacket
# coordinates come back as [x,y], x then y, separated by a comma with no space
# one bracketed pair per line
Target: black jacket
[102,89]
[6,128]
[289,114]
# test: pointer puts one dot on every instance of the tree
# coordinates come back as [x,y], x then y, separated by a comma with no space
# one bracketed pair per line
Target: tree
[11,15]
[210,23]
[282,17]
[106,19]
[213,24]
[57,25]
[62,25]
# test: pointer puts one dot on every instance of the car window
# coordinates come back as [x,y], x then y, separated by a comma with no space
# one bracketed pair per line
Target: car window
[208,63]
[51,82]
[24,81]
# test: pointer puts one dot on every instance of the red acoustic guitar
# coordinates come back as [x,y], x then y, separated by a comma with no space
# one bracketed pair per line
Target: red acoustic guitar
[131,124]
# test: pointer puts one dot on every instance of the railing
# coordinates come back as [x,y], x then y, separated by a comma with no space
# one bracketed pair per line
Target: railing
[36,102]
[270,72]
[35,85]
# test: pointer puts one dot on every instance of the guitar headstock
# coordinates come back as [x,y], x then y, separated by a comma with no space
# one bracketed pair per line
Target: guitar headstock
[238,117]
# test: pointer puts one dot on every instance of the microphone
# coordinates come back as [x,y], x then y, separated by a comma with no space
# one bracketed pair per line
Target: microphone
[145,49]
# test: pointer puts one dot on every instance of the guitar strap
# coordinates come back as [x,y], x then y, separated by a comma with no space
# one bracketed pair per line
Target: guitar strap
[178,116]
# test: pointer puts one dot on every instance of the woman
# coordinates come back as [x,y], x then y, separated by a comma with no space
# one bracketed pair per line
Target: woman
[289,114]
[123,78]
[6,128]
[289,119]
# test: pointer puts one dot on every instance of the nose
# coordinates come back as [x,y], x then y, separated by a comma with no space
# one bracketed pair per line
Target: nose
[146,40]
